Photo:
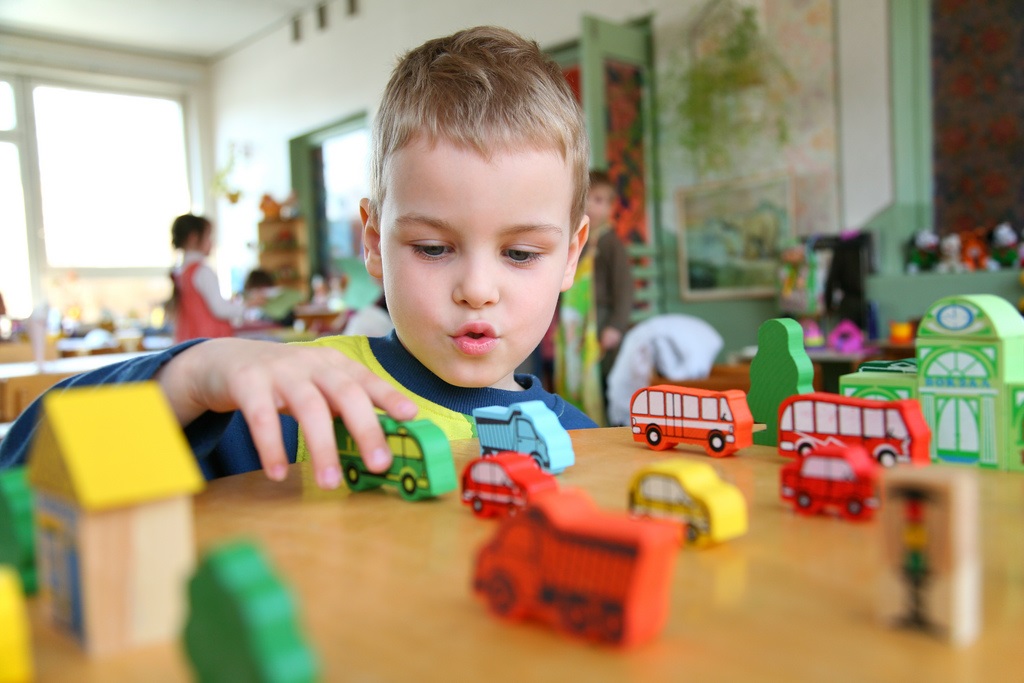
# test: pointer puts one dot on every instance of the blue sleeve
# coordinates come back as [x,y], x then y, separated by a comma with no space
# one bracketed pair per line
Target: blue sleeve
[220,441]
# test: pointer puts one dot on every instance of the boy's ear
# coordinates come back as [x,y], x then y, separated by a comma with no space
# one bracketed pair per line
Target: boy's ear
[576,244]
[371,240]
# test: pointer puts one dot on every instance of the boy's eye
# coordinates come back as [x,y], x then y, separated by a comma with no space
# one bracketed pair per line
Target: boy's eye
[520,256]
[433,250]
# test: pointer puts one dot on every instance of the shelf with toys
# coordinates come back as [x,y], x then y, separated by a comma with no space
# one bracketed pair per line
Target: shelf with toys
[284,252]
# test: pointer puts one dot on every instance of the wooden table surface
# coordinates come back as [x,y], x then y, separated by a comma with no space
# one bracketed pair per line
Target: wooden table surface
[384,588]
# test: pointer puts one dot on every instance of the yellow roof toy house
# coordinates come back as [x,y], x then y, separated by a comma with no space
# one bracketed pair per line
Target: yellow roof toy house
[113,478]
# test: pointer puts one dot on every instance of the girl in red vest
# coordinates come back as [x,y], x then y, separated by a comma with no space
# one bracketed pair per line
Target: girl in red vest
[197,306]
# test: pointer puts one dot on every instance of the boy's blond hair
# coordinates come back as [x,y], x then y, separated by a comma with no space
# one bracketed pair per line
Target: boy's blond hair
[485,89]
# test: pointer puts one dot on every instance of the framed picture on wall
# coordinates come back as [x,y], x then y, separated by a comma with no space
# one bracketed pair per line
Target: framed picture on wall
[731,235]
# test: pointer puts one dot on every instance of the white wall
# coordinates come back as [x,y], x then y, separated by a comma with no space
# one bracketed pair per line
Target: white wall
[865,129]
[274,89]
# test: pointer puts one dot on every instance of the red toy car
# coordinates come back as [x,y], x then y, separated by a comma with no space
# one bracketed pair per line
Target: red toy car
[501,484]
[842,478]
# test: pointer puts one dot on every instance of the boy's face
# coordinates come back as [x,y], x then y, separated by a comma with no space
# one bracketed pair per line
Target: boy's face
[473,253]
[600,204]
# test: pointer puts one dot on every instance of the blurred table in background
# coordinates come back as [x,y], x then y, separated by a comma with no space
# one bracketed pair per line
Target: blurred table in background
[21,383]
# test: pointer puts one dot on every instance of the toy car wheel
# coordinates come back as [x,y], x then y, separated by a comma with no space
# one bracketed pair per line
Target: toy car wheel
[574,614]
[355,479]
[501,595]
[716,442]
[854,508]
[478,505]
[408,485]
[611,623]
[887,459]
[655,440]
[803,449]
[538,460]
[804,501]
[692,534]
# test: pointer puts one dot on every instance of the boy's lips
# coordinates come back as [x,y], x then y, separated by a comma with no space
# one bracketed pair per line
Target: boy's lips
[475,339]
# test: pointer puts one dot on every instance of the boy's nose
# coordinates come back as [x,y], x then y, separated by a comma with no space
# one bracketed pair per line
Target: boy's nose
[477,285]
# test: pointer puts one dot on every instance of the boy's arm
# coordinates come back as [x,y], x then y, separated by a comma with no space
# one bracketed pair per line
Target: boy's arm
[260,379]
[15,447]
[310,383]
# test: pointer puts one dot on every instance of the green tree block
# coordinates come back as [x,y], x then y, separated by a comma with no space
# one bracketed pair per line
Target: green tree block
[780,369]
[17,540]
[242,624]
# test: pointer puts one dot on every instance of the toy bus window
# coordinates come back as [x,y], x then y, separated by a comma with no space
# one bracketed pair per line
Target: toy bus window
[803,416]
[840,470]
[676,405]
[657,403]
[826,415]
[874,423]
[640,404]
[726,413]
[524,430]
[397,445]
[849,420]
[815,468]
[787,419]
[897,428]
[690,406]
[490,473]
[709,408]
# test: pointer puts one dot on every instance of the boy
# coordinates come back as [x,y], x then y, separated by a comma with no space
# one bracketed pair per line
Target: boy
[475,223]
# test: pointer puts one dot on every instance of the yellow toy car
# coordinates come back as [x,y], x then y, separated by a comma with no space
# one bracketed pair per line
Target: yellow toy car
[691,493]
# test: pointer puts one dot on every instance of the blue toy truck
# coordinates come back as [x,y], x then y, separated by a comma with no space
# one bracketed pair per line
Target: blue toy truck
[529,427]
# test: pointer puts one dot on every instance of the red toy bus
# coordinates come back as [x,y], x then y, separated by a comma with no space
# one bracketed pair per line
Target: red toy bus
[665,415]
[890,431]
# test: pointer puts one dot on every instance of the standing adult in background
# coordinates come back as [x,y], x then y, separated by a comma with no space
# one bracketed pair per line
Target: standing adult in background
[196,305]
[613,275]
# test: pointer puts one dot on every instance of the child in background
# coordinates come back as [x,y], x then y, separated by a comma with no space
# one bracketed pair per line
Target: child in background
[613,275]
[196,305]
[594,313]
[475,222]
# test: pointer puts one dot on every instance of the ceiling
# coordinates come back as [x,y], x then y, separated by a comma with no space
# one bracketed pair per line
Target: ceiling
[195,28]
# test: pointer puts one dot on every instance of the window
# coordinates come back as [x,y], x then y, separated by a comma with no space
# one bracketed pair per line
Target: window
[803,412]
[640,404]
[690,406]
[726,412]
[709,408]
[657,403]
[897,428]
[112,171]
[825,414]
[110,175]
[874,423]
[849,420]
[815,467]
[490,473]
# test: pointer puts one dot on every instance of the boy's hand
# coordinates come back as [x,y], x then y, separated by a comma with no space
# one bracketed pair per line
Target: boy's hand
[312,384]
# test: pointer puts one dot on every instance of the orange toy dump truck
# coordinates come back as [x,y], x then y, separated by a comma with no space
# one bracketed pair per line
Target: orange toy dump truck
[597,575]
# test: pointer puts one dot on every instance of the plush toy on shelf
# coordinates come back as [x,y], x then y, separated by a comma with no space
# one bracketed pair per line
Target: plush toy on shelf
[1004,243]
[974,250]
[922,252]
[949,254]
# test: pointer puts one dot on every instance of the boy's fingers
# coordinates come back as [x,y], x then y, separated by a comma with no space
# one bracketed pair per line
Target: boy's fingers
[353,404]
[307,405]
[265,427]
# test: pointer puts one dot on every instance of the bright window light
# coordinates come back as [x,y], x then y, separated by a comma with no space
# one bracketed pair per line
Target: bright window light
[8,118]
[113,175]
[14,276]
